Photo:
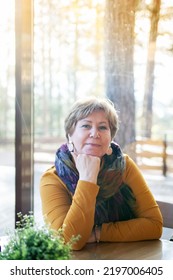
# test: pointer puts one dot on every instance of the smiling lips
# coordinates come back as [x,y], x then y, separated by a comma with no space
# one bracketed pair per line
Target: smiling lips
[93,144]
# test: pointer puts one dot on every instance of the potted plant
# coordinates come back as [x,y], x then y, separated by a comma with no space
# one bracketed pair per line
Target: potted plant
[31,242]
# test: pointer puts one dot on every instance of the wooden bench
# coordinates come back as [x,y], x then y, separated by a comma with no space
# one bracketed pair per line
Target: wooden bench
[152,155]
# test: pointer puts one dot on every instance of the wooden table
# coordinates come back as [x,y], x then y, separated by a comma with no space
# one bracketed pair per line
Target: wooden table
[141,250]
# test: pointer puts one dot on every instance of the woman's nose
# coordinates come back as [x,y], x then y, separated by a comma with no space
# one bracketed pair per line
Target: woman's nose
[94,133]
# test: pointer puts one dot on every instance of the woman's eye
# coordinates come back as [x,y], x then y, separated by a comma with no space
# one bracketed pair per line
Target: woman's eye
[86,126]
[103,128]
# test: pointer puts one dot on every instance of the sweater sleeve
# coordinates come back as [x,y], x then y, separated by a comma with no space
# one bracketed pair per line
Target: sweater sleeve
[75,214]
[148,222]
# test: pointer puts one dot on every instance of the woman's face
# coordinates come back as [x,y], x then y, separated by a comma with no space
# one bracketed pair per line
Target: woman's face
[92,135]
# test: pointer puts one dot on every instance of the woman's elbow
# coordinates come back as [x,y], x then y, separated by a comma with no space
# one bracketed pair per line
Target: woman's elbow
[158,229]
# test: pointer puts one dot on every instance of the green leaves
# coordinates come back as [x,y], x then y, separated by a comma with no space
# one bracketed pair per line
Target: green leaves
[31,242]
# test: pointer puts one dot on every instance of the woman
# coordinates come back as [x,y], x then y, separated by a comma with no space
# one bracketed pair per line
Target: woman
[94,190]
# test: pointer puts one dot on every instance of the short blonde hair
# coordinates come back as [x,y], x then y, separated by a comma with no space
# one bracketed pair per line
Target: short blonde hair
[84,107]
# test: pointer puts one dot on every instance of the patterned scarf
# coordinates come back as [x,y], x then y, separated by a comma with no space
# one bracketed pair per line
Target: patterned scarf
[115,200]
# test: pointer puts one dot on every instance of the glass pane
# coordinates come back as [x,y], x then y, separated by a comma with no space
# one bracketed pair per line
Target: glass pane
[7,116]
[69,63]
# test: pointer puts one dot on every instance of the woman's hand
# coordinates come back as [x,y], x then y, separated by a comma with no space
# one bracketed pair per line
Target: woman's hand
[95,235]
[87,166]
[92,237]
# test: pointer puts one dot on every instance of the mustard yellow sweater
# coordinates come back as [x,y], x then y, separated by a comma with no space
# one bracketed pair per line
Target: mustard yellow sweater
[77,212]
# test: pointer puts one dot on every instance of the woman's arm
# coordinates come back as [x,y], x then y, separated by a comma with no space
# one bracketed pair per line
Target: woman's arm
[148,224]
[75,215]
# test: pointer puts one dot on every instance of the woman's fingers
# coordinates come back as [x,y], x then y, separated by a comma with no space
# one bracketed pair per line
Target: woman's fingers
[88,167]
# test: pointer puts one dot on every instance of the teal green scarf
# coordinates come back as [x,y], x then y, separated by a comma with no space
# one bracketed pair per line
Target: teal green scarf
[115,200]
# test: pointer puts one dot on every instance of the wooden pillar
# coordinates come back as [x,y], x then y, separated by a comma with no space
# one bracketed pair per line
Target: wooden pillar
[24,107]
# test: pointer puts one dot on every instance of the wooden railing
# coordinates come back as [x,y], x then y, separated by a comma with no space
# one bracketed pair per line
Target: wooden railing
[154,155]
[149,154]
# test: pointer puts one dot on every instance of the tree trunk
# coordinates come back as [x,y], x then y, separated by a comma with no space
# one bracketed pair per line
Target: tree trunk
[119,49]
[149,80]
